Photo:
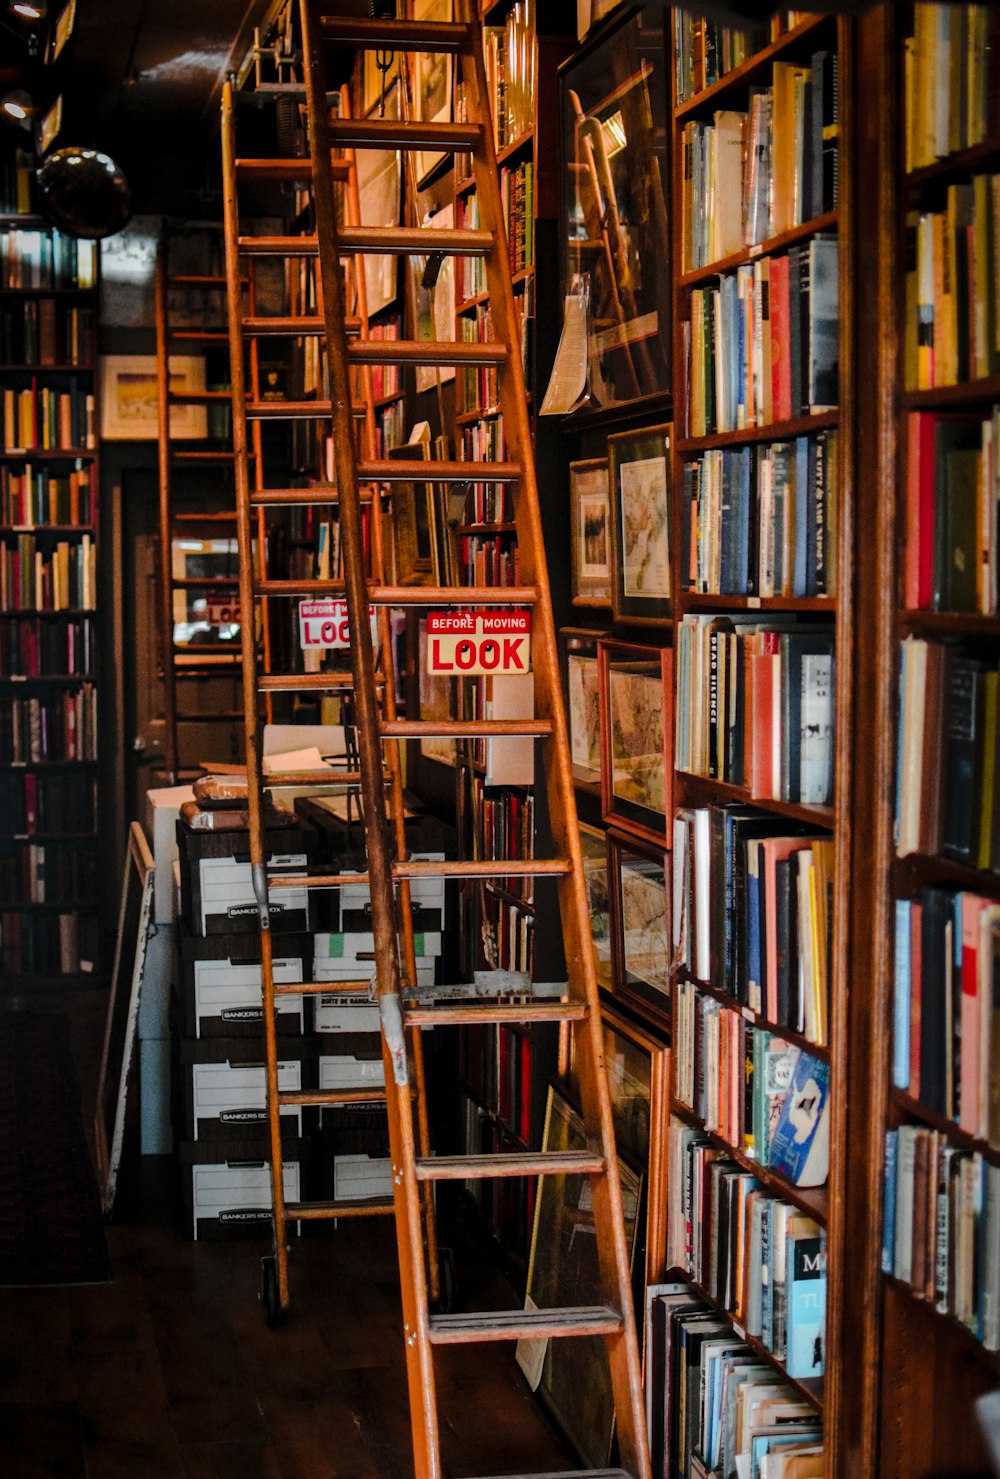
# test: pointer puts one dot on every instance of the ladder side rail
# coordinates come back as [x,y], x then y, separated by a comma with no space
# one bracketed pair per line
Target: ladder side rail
[166,595]
[258,860]
[257,446]
[392,747]
[623,1350]
[419,1362]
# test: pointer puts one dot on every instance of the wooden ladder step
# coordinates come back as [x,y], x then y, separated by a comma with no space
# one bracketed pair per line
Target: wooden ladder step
[385,471]
[407,595]
[464,1013]
[395,35]
[321,988]
[393,133]
[320,1211]
[204,582]
[198,336]
[517,1163]
[220,516]
[488,1325]
[197,279]
[277,326]
[572,1474]
[308,682]
[283,170]
[443,868]
[464,728]
[424,352]
[402,240]
[305,779]
[197,397]
[307,1097]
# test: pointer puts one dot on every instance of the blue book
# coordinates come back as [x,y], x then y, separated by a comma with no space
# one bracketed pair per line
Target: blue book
[889,1210]
[801,529]
[806,1303]
[766,1279]
[901,999]
[743,529]
[753,924]
[800,1145]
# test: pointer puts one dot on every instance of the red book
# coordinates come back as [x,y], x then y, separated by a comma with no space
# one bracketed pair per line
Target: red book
[970,1104]
[781,365]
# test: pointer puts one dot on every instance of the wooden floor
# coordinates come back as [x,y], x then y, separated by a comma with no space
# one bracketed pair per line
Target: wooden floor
[170,1373]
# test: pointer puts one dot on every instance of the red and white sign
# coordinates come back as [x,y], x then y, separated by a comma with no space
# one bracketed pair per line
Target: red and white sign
[222,611]
[326,624]
[478,644]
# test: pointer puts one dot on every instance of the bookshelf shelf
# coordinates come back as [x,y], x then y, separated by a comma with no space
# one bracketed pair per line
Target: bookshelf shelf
[917,870]
[48,764]
[753,70]
[48,454]
[49,293]
[826,222]
[62,529]
[913,1109]
[29,369]
[816,1050]
[967,392]
[702,601]
[813,1201]
[516,146]
[506,528]
[812,1391]
[951,623]
[776,431]
[952,165]
[703,790]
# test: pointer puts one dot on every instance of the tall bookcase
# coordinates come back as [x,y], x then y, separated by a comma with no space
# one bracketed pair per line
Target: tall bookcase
[48,628]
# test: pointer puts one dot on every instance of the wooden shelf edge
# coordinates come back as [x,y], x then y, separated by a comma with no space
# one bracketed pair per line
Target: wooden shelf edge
[776,431]
[724,794]
[746,72]
[917,870]
[706,601]
[828,221]
[814,1201]
[947,1322]
[788,1034]
[987,388]
[932,1119]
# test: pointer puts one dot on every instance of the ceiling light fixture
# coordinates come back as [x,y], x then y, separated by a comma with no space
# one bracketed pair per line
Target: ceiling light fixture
[17,108]
[29,10]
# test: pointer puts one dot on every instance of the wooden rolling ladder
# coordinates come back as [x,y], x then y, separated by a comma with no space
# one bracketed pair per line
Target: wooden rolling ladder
[406,1009]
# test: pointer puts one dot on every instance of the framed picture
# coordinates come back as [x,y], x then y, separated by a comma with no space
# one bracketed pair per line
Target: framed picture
[414,520]
[433,302]
[590,527]
[636,737]
[380,176]
[583,705]
[595,875]
[129,398]
[614,212]
[433,75]
[638,1070]
[572,1376]
[640,925]
[639,473]
[437,701]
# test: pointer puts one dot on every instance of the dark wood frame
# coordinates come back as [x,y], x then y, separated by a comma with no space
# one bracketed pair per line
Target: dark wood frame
[637,994]
[588,591]
[632,816]
[640,610]
[580,642]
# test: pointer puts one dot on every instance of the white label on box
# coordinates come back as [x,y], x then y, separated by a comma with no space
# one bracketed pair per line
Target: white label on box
[232,992]
[356,1177]
[356,945]
[236,1093]
[227,887]
[325,624]
[337,1013]
[478,643]
[239,1193]
[351,1073]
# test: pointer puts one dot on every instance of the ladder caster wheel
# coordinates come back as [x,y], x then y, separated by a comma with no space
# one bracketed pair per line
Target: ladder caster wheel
[445,1302]
[269,1292]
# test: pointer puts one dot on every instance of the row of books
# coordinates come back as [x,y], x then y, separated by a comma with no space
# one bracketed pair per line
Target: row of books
[505,828]
[952,498]
[507,935]
[517,195]
[764,345]
[489,503]
[951,79]
[495,1063]
[752,911]
[946,1030]
[36,496]
[755,705]
[509,52]
[951,288]
[484,441]
[479,384]
[748,176]
[760,1094]
[31,803]
[38,332]
[390,427]
[48,873]
[470,272]
[59,726]
[17,169]
[760,1258]
[762,520]
[44,579]
[947,790]
[38,647]
[715,1407]
[942,1227]
[705,50]
[51,945]
[386,379]
[489,559]
[41,419]
[33,258]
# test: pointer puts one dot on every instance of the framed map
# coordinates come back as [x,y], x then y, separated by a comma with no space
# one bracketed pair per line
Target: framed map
[636,737]
[640,925]
[590,532]
[639,468]
[583,705]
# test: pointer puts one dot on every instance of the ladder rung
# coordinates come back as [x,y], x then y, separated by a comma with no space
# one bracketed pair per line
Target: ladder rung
[318,495]
[185,456]
[322,988]
[198,336]
[318,1211]
[276,780]
[468,1329]
[277,246]
[287,169]
[216,518]
[197,397]
[415,241]
[463,728]
[288,410]
[217,716]
[392,133]
[574,1474]
[301,682]
[197,279]
[438,472]
[307,1097]
[517,1163]
[424,352]
[395,35]
[204,582]
[445,868]
[465,1013]
[273,325]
